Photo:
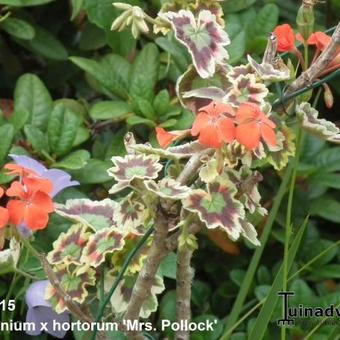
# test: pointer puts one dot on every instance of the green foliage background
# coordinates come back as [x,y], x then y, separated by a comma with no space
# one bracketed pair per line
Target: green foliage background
[77,87]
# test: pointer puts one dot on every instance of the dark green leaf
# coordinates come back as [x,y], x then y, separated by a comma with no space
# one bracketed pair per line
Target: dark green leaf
[18,28]
[116,110]
[94,172]
[7,134]
[31,95]
[144,73]
[62,129]
[327,208]
[77,6]
[37,139]
[75,160]
[236,5]
[168,266]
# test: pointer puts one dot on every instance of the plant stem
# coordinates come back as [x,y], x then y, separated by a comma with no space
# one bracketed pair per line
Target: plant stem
[288,224]
[184,276]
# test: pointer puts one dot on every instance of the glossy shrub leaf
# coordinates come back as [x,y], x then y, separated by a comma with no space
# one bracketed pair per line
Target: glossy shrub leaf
[62,129]
[112,77]
[144,73]
[46,44]
[168,266]
[73,161]
[31,95]
[115,110]
[327,208]
[95,171]
[77,5]
[18,28]
[236,5]
[237,47]
[7,134]
[37,139]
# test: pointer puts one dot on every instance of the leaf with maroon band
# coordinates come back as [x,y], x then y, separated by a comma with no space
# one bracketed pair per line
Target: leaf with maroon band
[103,242]
[202,36]
[69,246]
[246,89]
[279,157]
[132,167]
[269,72]
[237,71]
[246,182]
[168,188]
[129,215]
[121,296]
[319,127]
[73,281]
[93,214]
[217,208]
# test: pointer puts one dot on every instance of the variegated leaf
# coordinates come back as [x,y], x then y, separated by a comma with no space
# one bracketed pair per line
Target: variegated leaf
[73,281]
[246,182]
[235,153]
[168,188]
[122,294]
[249,232]
[319,127]
[130,216]
[103,242]
[217,208]
[190,80]
[242,70]
[269,72]
[208,172]
[203,37]
[246,89]
[69,246]
[93,214]
[131,167]
[279,157]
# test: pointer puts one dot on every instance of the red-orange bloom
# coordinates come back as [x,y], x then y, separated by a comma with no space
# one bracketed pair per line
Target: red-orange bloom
[214,124]
[320,40]
[31,206]
[253,125]
[30,178]
[164,138]
[285,38]
[4,215]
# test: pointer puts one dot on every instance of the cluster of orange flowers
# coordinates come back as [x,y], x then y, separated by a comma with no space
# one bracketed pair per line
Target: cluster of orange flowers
[286,43]
[29,201]
[219,123]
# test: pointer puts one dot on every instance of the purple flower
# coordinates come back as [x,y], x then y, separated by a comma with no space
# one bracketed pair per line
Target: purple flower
[40,311]
[60,179]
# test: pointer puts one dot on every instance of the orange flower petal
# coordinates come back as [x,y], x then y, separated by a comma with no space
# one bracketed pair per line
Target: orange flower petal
[42,201]
[210,138]
[215,109]
[200,123]
[4,217]
[164,138]
[285,38]
[16,209]
[268,135]
[247,112]
[2,191]
[227,129]
[264,119]
[38,184]
[320,39]
[36,218]
[248,135]
[16,189]
[18,170]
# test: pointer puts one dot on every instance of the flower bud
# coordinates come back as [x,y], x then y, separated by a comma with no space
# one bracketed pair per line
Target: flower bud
[132,16]
[328,96]
[305,18]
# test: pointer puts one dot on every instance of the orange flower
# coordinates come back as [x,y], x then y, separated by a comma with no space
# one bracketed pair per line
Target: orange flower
[285,38]
[4,215]
[30,178]
[253,125]
[31,206]
[320,40]
[214,125]
[164,138]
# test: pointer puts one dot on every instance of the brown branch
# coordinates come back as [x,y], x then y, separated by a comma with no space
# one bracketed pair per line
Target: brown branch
[307,77]
[146,277]
[184,278]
